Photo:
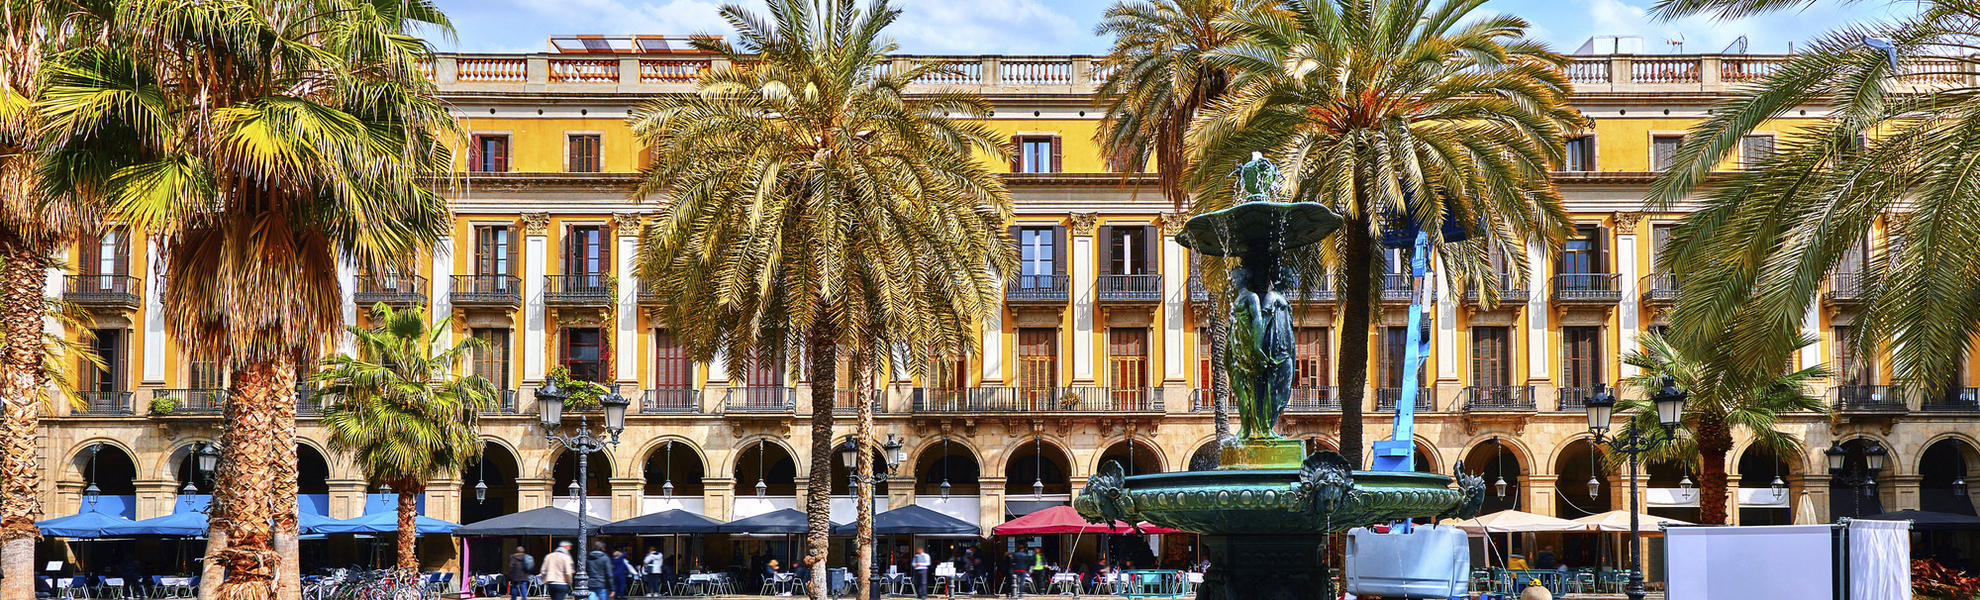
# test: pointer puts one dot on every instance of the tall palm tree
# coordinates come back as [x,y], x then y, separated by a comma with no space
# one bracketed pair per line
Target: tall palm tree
[1895,150]
[400,412]
[1705,435]
[1368,104]
[812,208]
[1158,79]
[292,142]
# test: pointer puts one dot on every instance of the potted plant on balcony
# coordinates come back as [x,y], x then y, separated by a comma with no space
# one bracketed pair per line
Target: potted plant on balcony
[584,395]
[164,405]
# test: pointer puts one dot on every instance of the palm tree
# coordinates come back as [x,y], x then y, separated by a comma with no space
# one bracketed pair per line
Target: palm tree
[1895,151]
[1369,104]
[400,411]
[813,210]
[299,138]
[1705,434]
[1158,79]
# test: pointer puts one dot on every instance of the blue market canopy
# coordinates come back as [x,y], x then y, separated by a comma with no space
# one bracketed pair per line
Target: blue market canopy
[386,522]
[548,520]
[185,524]
[665,522]
[786,521]
[309,522]
[912,520]
[86,525]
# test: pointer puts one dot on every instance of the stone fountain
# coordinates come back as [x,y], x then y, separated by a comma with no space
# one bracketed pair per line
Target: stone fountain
[1266,510]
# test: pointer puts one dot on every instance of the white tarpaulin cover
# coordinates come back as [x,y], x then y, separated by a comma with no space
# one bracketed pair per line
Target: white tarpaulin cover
[1786,562]
[1879,560]
[1513,521]
[1618,521]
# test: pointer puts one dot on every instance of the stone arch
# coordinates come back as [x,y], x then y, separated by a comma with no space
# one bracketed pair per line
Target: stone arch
[747,442]
[686,470]
[658,444]
[1022,445]
[1038,460]
[501,466]
[841,474]
[1428,456]
[1578,462]
[546,465]
[1506,460]
[1945,471]
[1522,454]
[1916,465]
[747,468]
[111,467]
[78,457]
[598,477]
[1851,501]
[1147,455]
[308,481]
[958,463]
[167,467]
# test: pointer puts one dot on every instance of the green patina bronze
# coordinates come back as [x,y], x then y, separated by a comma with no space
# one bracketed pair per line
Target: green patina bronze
[1265,511]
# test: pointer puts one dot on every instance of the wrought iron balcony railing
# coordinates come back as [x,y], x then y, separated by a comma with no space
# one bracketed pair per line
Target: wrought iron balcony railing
[842,406]
[104,291]
[1867,398]
[649,294]
[1054,399]
[505,404]
[1659,288]
[1587,288]
[1573,399]
[1398,288]
[394,290]
[577,290]
[1489,398]
[670,400]
[1314,399]
[1130,288]
[1512,293]
[760,400]
[189,401]
[1037,288]
[1386,399]
[1959,399]
[486,290]
[104,404]
[1846,288]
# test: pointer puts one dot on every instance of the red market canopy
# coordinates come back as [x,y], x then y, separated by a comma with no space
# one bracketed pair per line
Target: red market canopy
[1063,519]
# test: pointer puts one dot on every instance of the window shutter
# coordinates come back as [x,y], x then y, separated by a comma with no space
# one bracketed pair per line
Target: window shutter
[1148,259]
[91,255]
[1017,154]
[1601,245]
[1106,244]
[1018,242]
[570,250]
[121,364]
[1058,249]
[508,234]
[563,347]
[605,241]
[123,251]
[474,154]
[1057,167]
[501,152]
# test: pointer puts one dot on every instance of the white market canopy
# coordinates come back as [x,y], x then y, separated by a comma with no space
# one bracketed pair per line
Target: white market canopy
[1618,521]
[1513,521]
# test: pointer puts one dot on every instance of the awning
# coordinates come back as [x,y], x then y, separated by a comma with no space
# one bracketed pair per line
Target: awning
[1063,519]
[548,520]
[913,520]
[86,525]
[1513,521]
[664,523]
[1922,520]
[185,524]
[1618,521]
[386,523]
[783,521]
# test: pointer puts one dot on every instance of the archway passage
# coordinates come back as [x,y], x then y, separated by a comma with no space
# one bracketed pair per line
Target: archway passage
[1036,477]
[114,474]
[312,480]
[1943,471]
[1854,497]
[597,483]
[496,468]
[1501,469]
[947,462]
[1581,488]
[769,464]
[1135,456]
[677,463]
[1670,491]
[1760,501]
[185,471]
[842,473]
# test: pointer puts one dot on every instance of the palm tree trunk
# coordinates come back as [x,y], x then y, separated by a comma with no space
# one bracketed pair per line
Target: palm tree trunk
[818,490]
[1357,302]
[408,508]
[864,500]
[1714,442]
[251,443]
[20,471]
[1220,376]
[285,536]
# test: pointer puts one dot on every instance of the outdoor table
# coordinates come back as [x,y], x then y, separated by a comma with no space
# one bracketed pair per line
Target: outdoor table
[1153,583]
[702,584]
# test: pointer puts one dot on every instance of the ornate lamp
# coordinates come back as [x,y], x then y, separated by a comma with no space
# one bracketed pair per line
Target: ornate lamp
[1779,488]
[480,492]
[1670,402]
[1835,455]
[550,405]
[1499,487]
[384,489]
[615,412]
[1873,458]
[206,458]
[1600,406]
[1685,487]
[894,451]
[1594,487]
[91,494]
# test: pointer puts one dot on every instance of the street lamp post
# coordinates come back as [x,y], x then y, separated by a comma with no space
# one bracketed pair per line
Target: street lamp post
[1669,403]
[890,451]
[550,414]
[1863,478]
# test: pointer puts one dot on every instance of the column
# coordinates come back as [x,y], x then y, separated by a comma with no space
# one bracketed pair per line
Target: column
[1175,269]
[1813,488]
[346,498]
[717,497]
[536,244]
[626,350]
[1447,356]
[990,502]
[52,288]
[443,499]
[442,281]
[347,285]
[993,348]
[532,493]
[1539,491]
[155,497]
[1900,491]
[1628,312]
[1536,315]
[1082,285]
[154,316]
[900,489]
[1811,326]
[628,496]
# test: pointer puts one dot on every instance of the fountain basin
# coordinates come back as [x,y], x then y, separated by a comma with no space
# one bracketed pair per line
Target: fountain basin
[1272,501]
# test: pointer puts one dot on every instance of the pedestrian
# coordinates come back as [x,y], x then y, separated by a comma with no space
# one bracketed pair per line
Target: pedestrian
[518,573]
[1545,559]
[655,569]
[556,572]
[921,565]
[621,573]
[598,571]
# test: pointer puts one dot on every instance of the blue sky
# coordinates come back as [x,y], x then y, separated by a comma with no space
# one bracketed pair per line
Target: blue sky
[1066,26]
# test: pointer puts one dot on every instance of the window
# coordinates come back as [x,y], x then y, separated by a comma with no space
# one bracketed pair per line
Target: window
[1036,154]
[1395,354]
[766,372]
[1127,357]
[1204,355]
[1038,360]
[671,368]
[1850,369]
[107,257]
[1754,149]
[1311,348]
[1583,253]
[1491,356]
[584,353]
[491,360]
[1127,251]
[1580,154]
[1581,356]
[948,371]
[1663,151]
[584,153]
[1038,251]
[204,374]
[109,346]
[494,250]
[490,154]
[586,254]
[1660,236]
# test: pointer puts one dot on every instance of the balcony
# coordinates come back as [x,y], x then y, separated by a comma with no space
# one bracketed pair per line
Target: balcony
[1130,288]
[1036,289]
[1660,289]
[1022,400]
[1573,399]
[650,294]
[1498,398]
[1959,399]
[591,290]
[394,290]
[1314,399]
[104,404]
[505,404]
[1867,399]
[104,291]
[189,401]
[501,291]
[1512,293]
[760,400]
[842,405]
[1587,289]
[1387,398]
[309,403]
[1846,289]
[670,401]
[1398,288]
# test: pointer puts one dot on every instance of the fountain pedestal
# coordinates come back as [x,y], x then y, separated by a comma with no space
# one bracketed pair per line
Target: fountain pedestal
[1274,453]
[1266,567]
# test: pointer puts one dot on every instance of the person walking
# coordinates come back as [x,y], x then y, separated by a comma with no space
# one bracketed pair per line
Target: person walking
[518,573]
[654,569]
[598,571]
[621,573]
[921,565]
[557,570]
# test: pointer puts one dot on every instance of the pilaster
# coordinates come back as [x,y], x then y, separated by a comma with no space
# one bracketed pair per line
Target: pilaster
[536,243]
[1083,286]
[346,498]
[718,497]
[532,493]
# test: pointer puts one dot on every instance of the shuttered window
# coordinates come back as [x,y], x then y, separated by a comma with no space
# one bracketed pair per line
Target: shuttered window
[1395,353]
[583,353]
[1128,250]
[1036,154]
[1754,149]
[767,372]
[108,345]
[1312,349]
[671,368]
[1581,356]
[1663,151]
[586,253]
[1850,368]
[1580,154]
[491,360]
[1038,358]
[491,154]
[1127,357]
[584,153]
[494,251]
[1204,355]
[1491,356]
[205,375]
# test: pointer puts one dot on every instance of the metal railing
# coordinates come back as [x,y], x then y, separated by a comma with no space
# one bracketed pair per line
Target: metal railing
[1398,287]
[1202,400]
[842,403]
[505,404]
[1314,399]
[1587,288]
[760,399]
[649,293]
[577,290]
[1036,288]
[192,401]
[1867,398]
[1512,293]
[1054,399]
[395,290]
[1959,399]
[1498,397]
[486,290]
[1387,398]
[1846,287]
[104,404]
[103,290]
[1659,288]
[1146,288]
[1573,399]
[309,403]
[670,400]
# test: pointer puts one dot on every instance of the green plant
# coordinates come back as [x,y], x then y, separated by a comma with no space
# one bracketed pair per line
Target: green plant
[1933,581]
[582,394]
[165,405]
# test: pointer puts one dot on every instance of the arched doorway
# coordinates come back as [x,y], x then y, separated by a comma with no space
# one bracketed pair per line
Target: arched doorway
[113,474]
[1765,497]
[1501,469]
[1135,456]
[488,485]
[1849,495]
[1943,473]
[1669,491]
[673,473]
[766,480]
[597,484]
[1036,477]
[312,480]
[952,464]
[1581,487]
